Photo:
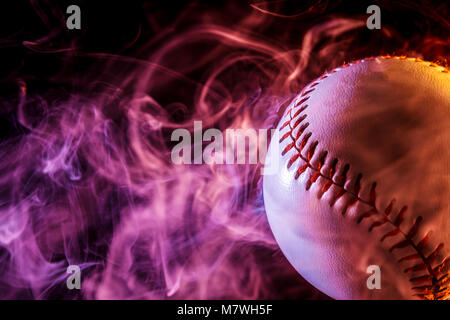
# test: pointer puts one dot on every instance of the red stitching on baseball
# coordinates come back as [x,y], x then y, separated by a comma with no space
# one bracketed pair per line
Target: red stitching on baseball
[438,279]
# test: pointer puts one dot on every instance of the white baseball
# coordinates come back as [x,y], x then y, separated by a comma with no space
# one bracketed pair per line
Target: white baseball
[364,179]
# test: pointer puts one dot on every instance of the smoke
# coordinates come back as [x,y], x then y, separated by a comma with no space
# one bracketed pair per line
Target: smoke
[86,174]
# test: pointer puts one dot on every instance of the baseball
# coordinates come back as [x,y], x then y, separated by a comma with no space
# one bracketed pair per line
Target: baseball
[363,180]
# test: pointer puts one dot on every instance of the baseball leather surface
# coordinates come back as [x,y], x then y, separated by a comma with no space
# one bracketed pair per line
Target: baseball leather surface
[364,179]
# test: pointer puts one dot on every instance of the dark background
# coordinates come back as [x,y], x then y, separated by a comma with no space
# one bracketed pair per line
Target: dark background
[34,42]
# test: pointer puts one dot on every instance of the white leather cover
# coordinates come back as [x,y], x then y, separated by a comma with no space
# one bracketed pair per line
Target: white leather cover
[364,179]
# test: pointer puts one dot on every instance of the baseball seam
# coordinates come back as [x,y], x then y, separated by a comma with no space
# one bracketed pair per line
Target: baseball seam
[433,286]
